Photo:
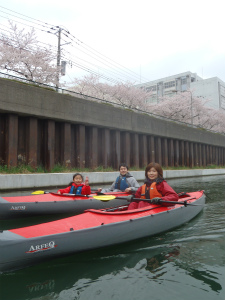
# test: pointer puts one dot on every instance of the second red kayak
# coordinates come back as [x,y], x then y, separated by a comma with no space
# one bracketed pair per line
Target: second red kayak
[52,203]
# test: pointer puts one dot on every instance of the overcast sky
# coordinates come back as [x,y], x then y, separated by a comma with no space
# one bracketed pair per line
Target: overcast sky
[153,39]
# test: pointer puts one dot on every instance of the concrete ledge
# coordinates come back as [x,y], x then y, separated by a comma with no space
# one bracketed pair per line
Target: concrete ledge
[192,173]
[26,181]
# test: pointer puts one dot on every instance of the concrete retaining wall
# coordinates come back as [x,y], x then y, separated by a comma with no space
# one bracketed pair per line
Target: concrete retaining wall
[26,181]
[39,127]
[28,100]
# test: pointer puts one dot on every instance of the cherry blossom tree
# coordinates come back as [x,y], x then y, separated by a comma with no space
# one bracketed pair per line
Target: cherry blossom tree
[186,107]
[124,94]
[182,107]
[21,54]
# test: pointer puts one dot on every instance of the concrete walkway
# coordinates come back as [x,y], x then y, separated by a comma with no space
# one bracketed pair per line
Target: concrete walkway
[26,181]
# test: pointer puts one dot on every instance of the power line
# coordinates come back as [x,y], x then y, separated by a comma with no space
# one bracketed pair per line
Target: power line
[79,49]
[112,71]
[105,57]
[49,25]
[114,68]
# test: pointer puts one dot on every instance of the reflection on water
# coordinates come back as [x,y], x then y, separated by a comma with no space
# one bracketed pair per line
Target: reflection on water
[184,263]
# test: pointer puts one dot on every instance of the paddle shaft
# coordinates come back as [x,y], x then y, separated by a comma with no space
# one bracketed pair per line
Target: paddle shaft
[161,201]
[72,195]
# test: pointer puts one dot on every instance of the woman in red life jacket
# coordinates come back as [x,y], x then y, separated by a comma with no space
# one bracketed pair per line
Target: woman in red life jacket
[155,188]
[77,186]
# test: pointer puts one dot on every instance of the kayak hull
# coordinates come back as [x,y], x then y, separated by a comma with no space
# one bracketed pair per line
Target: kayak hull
[51,203]
[30,245]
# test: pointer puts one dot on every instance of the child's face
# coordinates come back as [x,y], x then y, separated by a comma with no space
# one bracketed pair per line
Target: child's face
[77,179]
[152,174]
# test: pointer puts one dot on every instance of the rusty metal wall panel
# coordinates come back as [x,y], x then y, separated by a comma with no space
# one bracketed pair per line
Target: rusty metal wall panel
[106,152]
[176,153]
[116,152]
[181,163]
[186,153]
[32,142]
[143,151]
[50,151]
[2,139]
[80,146]
[135,152]
[127,157]
[93,148]
[165,152]
[171,152]
[191,155]
[210,155]
[66,145]
[22,136]
[203,155]
[11,140]
[200,154]
[158,149]
[196,157]
[151,149]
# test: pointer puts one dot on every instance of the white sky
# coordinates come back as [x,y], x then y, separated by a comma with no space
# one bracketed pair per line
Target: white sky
[154,39]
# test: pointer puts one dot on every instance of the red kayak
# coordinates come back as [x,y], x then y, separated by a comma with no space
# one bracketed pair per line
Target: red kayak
[93,229]
[52,203]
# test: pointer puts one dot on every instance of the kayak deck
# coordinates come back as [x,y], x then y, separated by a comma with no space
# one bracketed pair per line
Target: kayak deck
[93,218]
[53,203]
[51,197]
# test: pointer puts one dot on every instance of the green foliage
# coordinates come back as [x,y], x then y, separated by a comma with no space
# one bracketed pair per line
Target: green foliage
[27,169]
[21,169]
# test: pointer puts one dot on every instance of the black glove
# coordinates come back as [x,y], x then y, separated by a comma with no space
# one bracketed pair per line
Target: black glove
[130,198]
[156,200]
[99,193]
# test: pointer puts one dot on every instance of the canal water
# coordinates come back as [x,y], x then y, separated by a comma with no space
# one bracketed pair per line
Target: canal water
[185,263]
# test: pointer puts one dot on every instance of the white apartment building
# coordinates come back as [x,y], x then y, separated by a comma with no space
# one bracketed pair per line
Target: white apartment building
[212,89]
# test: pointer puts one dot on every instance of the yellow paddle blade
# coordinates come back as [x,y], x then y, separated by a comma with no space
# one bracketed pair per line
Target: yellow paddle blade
[38,193]
[104,197]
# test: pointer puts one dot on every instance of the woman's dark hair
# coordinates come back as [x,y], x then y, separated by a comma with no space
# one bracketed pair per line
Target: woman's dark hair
[75,176]
[123,165]
[155,166]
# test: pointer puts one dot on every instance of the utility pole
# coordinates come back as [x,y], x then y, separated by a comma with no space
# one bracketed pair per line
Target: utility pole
[58,56]
[61,66]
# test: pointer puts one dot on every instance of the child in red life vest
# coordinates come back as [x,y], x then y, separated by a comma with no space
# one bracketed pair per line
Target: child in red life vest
[154,188]
[77,186]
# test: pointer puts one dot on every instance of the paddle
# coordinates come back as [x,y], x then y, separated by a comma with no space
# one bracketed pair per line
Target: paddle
[44,192]
[39,192]
[92,191]
[131,199]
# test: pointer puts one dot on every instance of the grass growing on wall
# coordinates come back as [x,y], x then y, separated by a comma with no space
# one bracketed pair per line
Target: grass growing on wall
[27,169]
[21,169]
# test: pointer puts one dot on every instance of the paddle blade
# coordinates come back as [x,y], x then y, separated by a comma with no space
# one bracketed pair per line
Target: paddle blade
[104,197]
[38,193]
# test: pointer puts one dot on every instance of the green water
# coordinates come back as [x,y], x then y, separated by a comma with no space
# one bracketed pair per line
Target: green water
[182,264]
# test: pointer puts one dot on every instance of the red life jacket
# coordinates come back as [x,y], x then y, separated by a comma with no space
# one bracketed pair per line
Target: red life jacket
[152,190]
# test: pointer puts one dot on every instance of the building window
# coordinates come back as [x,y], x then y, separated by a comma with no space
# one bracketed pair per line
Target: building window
[169,84]
[151,88]
[183,80]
